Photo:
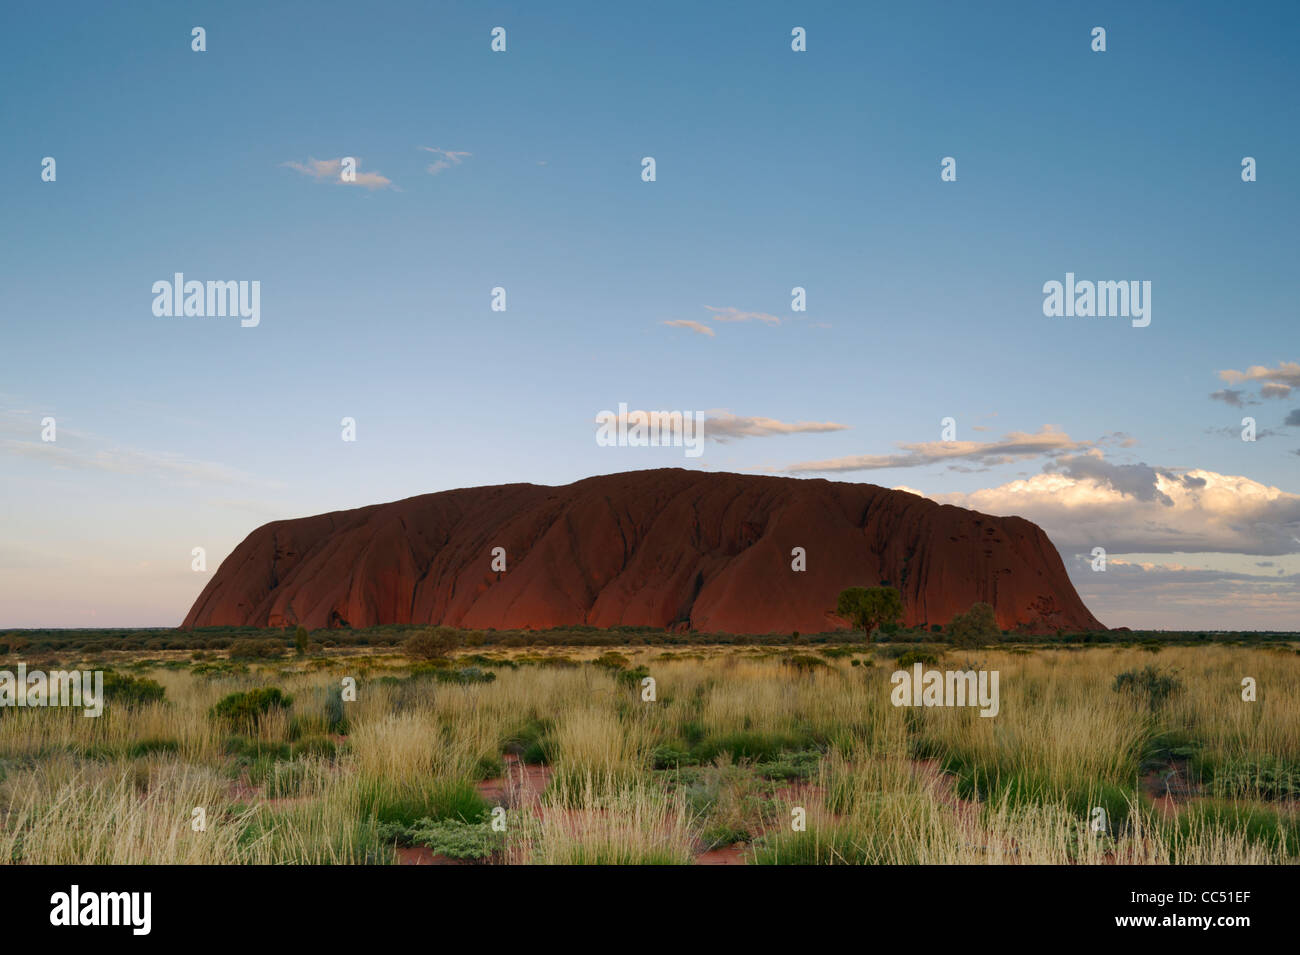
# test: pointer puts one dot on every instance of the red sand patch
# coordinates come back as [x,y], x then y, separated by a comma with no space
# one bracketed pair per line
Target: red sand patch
[522,784]
[726,855]
[423,856]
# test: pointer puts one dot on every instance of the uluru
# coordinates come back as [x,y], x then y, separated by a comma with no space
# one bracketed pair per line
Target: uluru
[668,548]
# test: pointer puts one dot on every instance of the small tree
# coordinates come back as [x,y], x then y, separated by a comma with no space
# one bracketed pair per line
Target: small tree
[432,644]
[300,639]
[869,607]
[974,628]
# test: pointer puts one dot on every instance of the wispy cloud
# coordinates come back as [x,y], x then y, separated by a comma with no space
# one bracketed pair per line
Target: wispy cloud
[120,460]
[80,450]
[446,159]
[696,327]
[731,314]
[724,426]
[331,170]
[1014,446]
[1233,397]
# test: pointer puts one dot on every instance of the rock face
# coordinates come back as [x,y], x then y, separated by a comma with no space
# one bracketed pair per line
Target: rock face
[662,548]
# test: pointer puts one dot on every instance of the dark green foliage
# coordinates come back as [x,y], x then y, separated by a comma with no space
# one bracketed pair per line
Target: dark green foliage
[532,742]
[212,671]
[1021,788]
[453,838]
[147,747]
[576,635]
[1150,685]
[479,660]
[917,655]
[976,627]
[464,676]
[247,709]
[131,690]
[1169,746]
[869,607]
[671,756]
[1257,825]
[256,649]
[1266,777]
[321,747]
[632,677]
[390,803]
[787,767]
[246,751]
[752,745]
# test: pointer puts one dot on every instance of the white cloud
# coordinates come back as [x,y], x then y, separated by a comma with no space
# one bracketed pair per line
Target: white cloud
[1286,373]
[1195,511]
[330,170]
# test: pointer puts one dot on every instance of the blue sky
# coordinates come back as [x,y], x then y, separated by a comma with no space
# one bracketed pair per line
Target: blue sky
[775,169]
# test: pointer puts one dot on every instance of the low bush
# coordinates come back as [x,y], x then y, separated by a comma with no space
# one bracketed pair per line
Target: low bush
[247,709]
[131,690]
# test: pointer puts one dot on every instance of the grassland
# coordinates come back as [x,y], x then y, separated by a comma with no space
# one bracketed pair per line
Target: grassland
[551,755]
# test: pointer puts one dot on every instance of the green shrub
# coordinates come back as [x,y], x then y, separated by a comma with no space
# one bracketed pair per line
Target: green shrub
[805,662]
[390,801]
[919,655]
[670,756]
[1265,777]
[463,676]
[131,690]
[248,751]
[453,838]
[801,765]
[255,649]
[434,643]
[631,678]
[1150,685]
[147,747]
[974,628]
[247,709]
[868,608]
[752,745]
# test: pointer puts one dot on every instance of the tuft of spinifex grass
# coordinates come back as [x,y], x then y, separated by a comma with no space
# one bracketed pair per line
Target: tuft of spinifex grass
[605,819]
